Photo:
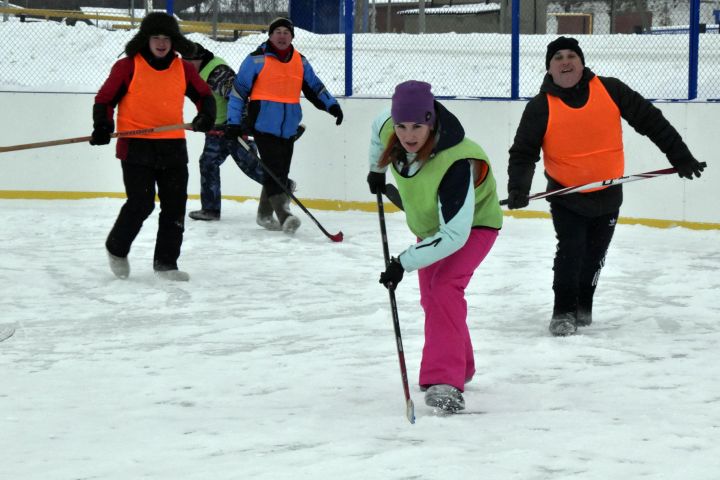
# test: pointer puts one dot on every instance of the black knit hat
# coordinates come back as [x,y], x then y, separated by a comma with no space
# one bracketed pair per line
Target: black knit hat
[282,22]
[200,53]
[159,23]
[563,43]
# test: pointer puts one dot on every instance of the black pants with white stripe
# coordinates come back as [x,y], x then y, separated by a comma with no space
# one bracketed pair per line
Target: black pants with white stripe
[582,244]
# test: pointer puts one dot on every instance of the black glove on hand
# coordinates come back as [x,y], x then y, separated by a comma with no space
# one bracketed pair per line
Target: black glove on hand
[203,123]
[336,112]
[233,132]
[393,274]
[517,199]
[377,182]
[687,167]
[101,132]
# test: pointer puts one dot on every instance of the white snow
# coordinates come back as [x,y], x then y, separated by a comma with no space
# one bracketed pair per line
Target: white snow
[277,360]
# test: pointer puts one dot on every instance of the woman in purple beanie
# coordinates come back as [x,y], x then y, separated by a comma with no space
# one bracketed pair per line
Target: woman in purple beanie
[449,195]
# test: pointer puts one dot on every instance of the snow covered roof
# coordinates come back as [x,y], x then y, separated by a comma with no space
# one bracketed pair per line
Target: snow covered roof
[465,9]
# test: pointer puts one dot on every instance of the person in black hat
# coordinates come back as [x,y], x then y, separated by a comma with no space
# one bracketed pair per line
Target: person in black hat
[219,76]
[268,84]
[576,121]
[149,87]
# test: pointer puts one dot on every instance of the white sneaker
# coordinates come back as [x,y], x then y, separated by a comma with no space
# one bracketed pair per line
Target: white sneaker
[444,397]
[119,265]
[173,275]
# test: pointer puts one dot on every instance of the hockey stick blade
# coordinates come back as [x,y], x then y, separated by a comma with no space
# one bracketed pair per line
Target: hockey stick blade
[337,237]
[6,331]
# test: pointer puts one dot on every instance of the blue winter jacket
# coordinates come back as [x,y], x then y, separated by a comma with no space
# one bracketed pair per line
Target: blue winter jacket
[275,118]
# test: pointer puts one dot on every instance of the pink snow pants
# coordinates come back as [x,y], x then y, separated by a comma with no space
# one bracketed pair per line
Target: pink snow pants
[448,353]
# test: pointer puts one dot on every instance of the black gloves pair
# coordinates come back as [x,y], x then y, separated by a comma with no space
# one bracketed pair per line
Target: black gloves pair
[393,274]
[517,199]
[376,181]
[687,167]
[203,123]
[336,112]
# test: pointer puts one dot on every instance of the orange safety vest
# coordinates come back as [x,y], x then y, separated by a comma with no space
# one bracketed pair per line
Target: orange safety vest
[154,98]
[584,145]
[279,82]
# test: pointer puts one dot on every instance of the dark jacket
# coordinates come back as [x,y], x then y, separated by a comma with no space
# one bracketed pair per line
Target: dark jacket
[156,153]
[639,113]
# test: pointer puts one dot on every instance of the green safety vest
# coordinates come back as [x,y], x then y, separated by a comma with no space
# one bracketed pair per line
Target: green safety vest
[420,192]
[220,102]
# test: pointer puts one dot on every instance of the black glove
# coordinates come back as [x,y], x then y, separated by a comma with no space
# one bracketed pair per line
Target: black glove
[517,199]
[687,167]
[377,182]
[203,123]
[233,132]
[336,112]
[103,125]
[101,132]
[393,274]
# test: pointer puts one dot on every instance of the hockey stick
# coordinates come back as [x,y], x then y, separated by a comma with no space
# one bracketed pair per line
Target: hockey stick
[6,331]
[603,183]
[338,237]
[66,141]
[409,407]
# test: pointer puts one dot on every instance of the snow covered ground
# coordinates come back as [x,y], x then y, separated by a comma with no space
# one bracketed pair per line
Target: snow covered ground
[277,360]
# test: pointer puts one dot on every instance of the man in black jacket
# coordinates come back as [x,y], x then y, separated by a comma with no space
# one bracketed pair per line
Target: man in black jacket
[576,121]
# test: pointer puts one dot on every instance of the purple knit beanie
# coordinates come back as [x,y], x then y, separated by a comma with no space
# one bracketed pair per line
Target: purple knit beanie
[413,102]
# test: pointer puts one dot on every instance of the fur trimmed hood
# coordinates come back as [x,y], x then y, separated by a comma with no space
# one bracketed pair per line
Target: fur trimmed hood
[159,23]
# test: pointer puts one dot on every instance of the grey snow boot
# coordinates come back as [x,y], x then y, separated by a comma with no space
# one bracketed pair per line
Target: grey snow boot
[265,213]
[281,205]
[563,324]
[444,397]
[119,265]
[207,215]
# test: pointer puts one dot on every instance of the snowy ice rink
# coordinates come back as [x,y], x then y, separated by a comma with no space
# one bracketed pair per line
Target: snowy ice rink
[277,360]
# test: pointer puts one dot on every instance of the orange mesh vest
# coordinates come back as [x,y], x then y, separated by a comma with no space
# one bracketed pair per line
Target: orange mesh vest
[584,145]
[278,81]
[154,98]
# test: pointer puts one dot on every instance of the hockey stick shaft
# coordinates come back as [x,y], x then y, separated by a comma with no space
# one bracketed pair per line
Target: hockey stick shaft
[66,141]
[409,407]
[337,237]
[602,183]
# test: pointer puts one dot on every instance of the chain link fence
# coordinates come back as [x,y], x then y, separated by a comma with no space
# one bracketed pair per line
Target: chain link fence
[464,50]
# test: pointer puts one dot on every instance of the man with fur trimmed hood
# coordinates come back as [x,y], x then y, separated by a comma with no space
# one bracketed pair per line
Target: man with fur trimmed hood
[149,87]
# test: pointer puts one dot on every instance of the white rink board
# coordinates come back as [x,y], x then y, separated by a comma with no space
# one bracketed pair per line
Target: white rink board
[330,162]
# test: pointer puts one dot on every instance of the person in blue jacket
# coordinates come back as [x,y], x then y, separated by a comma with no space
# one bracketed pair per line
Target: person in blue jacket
[269,83]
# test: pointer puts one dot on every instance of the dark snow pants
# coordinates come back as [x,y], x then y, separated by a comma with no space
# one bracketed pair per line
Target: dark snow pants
[140,181]
[216,150]
[276,153]
[582,244]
